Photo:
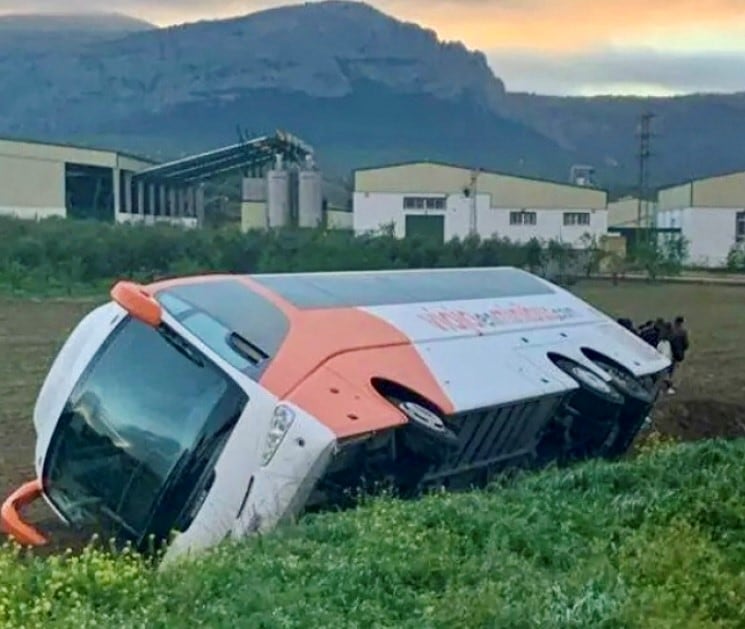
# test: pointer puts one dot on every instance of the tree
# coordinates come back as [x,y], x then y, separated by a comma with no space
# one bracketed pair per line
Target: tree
[662,254]
[560,256]
[593,253]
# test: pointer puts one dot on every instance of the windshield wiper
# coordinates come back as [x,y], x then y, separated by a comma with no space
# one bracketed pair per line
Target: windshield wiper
[92,505]
[181,345]
[177,471]
[112,515]
[204,445]
[188,461]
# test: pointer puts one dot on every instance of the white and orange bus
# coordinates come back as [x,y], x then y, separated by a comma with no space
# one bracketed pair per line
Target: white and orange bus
[221,405]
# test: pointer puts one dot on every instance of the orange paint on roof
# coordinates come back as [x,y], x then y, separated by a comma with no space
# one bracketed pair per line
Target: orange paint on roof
[329,358]
[340,393]
[189,279]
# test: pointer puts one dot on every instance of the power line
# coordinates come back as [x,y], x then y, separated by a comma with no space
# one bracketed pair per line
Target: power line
[645,141]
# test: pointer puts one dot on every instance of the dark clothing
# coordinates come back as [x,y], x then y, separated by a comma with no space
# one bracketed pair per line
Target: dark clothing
[679,344]
[626,323]
[651,335]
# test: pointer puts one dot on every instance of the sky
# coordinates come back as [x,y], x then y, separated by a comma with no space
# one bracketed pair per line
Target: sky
[573,47]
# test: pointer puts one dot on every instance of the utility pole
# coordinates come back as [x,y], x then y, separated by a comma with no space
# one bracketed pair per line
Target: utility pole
[645,137]
[473,222]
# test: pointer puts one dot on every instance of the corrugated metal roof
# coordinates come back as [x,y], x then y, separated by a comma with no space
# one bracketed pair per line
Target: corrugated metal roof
[486,171]
[257,152]
[76,146]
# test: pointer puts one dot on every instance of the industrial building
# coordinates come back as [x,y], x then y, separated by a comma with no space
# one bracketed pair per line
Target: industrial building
[709,213]
[445,201]
[294,194]
[280,184]
[628,213]
[283,195]
[41,180]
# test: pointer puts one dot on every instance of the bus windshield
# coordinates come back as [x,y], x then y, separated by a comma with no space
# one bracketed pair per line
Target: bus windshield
[129,425]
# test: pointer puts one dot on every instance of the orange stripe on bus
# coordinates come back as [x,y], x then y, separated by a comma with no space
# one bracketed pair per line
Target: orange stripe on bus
[329,359]
[165,284]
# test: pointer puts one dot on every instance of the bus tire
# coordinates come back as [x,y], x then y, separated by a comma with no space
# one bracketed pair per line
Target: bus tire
[595,407]
[425,434]
[638,402]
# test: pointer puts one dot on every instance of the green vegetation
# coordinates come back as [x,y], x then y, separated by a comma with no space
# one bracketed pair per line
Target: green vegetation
[736,258]
[655,542]
[57,256]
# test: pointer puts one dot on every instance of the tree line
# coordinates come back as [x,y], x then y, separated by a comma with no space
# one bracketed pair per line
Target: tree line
[64,254]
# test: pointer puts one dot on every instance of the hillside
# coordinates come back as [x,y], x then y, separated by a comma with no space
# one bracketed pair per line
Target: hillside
[360,85]
[33,41]
[651,542]
[694,136]
[99,23]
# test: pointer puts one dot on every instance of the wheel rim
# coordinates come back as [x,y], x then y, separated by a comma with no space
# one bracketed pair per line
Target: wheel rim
[590,379]
[625,380]
[422,416]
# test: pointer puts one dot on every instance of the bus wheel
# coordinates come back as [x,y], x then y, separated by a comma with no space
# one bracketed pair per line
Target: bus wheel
[595,409]
[638,403]
[425,435]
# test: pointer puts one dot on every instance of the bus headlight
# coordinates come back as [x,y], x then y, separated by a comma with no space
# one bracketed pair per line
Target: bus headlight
[281,421]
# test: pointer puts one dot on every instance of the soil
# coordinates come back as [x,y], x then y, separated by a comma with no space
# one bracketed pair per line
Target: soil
[709,403]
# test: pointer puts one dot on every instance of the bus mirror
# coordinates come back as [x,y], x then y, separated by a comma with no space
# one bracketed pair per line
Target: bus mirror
[137,302]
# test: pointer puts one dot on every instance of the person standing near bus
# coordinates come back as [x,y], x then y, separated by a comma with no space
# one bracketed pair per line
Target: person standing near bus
[679,344]
[665,347]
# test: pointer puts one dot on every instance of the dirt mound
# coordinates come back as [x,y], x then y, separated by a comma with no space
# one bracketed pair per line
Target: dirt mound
[693,420]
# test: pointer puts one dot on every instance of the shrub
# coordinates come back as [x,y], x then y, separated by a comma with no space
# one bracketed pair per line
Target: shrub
[736,258]
[64,255]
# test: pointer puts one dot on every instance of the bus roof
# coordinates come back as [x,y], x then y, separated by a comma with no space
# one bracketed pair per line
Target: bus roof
[378,288]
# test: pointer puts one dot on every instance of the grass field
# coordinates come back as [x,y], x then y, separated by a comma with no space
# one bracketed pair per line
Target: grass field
[656,542]
[710,400]
[653,543]
[711,385]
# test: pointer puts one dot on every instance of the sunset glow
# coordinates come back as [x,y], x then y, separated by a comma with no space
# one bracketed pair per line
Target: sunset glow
[554,46]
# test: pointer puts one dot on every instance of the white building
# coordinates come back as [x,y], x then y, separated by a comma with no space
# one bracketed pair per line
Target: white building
[448,201]
[710,214]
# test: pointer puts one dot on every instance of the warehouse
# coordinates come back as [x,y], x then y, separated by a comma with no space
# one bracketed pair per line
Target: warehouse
[629,213]
[710,214]
[446,201]
[41,180]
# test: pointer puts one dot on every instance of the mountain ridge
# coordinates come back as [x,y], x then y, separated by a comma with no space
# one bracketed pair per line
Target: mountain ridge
[359,84]
[56,21]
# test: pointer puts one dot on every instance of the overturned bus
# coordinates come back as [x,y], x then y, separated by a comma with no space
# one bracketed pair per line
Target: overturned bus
[218,406]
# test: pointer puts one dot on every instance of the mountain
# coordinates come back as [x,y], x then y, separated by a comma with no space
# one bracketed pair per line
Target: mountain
[358,84]
[98,23]
[692,136]
[361,86]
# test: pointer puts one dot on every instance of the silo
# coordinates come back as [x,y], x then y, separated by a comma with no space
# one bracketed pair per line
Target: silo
[310,196]
[253,203]
[254,189]
[278,195]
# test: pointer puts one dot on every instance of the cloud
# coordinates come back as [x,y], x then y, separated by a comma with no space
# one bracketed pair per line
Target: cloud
[574,25]
[161,12]
[528,24]
[549,46]
[618,71]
